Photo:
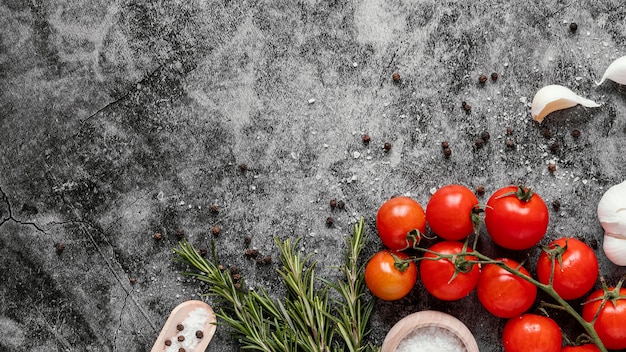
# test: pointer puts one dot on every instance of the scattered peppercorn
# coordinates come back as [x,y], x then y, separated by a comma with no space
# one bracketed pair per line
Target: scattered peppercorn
[341,204]
[199,334]
[366,139]
[181,338]
[445,145]
[467,107]
[575,133]
[480,190]
[546,133]
[237,285]
[168,342]
[220,267]
[330,221]
[133,280]
[234,269]
[333,203]
[593,243]
[552,167]
[510,144]
[494,76]
[179,234]
[478,143]
[447,152]
[267,259]
[60,247]
[573,27]
[243,167]
[396,77]
[180,327]
[387,146]
[202,251]
[251,253]
[236,277]
[485,136]
[556,205]
[509,131]
[157,236]
[214,209]
[482,79]
[215,230]
[247,240]
[554,147]
[181,350]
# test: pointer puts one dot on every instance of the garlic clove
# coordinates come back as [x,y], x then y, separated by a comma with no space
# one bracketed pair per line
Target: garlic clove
[555,97]
[616,72]
[612,210]
[615,249]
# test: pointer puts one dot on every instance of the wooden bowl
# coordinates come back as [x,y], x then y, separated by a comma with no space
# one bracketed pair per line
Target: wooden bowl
[428,320]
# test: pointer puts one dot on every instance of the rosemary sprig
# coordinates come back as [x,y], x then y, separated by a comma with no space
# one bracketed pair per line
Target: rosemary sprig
[307,320]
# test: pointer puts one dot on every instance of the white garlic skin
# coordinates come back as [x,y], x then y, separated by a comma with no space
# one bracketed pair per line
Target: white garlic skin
[615,249]
[555,97]
[612,210]
[616,72]
[612,217]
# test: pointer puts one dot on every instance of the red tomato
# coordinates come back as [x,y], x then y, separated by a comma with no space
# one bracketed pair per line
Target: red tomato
[531,332]
[575,267]
[400,222]
[503,294]
[438,275]
[611,321]
[516,218]
[588,347]
[449,212]
[385,280]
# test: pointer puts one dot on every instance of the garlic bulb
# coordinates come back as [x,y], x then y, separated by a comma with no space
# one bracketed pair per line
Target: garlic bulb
[612,216]
[616,72]
[615,249]
[555,97]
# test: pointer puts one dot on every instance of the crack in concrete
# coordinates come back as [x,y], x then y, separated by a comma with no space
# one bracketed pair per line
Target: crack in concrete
[115,274]
[119,326]
[10,217]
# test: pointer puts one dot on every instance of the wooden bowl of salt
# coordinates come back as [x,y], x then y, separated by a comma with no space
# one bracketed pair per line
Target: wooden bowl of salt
[429,330]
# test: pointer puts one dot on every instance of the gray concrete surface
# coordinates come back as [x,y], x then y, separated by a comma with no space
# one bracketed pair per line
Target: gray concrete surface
[127,118]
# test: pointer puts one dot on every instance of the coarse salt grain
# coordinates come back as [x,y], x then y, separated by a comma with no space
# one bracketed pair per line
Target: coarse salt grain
[431,338]
[194,322]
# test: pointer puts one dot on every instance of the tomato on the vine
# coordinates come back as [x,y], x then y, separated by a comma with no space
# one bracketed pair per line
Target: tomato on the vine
[516,217]
[588,347]
[450,212]
[447,279]
[387,277]
[400,222]
[531,332]
[608,308]
[504,294]
[575,267]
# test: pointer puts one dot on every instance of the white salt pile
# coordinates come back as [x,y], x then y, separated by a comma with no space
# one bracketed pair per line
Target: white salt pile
[429,339]
[190,332]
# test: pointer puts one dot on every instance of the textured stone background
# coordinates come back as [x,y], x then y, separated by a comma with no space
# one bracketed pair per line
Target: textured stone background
[126,118]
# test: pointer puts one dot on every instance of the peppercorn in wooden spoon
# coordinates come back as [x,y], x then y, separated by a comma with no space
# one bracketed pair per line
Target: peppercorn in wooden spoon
[189,328]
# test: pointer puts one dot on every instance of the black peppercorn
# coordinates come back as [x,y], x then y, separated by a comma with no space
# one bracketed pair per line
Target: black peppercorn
[573,27]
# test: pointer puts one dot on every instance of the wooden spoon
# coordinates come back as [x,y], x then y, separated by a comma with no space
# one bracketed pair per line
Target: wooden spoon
[191,325]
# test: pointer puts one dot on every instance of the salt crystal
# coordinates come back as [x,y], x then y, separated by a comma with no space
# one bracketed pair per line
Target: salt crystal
[311,101]
[431,338]
[194,322]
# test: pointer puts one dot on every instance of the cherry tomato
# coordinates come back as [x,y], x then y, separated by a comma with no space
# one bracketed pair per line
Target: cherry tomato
[610,323]
[588,347]
[449,212]
[531,332]
[385,280]
[445,279]
[400,222]
[516,218]
[502,293]
[575,267]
